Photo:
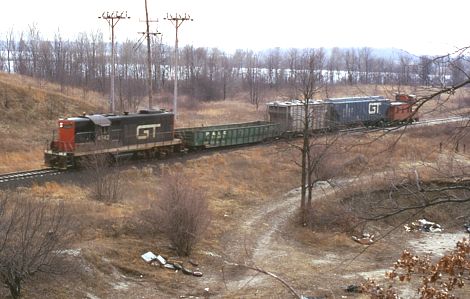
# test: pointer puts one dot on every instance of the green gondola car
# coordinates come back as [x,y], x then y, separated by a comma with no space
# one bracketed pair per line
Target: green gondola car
[227,135]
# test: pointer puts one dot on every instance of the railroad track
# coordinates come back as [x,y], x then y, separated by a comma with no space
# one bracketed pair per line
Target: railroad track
[437,121]
[16,177]
[27,175]
[421,123]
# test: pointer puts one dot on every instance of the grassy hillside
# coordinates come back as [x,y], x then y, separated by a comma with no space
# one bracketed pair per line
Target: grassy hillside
[28,111]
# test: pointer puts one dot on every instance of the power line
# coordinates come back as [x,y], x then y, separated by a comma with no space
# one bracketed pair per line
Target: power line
[113,18]
[147,34]
[177,20]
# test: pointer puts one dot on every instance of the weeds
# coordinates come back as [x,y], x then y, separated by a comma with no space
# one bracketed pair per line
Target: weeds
[182,213]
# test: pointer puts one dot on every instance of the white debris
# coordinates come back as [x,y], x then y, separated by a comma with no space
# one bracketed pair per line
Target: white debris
[161,260]
[365,239]
[148,257]
[423,225]
[211,254]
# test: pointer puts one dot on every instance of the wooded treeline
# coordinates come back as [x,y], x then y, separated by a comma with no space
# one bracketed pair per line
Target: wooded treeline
[210,74]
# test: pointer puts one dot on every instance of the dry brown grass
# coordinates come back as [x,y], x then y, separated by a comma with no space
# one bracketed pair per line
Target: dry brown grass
[29,110]
[44,87]
[236,181]
[112,237]
[223,112]
[21,160]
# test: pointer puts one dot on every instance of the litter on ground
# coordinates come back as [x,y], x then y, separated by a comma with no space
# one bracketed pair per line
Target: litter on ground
[424,226]
[148,257]
[365,239]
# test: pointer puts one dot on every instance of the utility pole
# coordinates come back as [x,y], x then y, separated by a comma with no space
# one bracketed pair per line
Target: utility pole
[177,20]
[113,18]
[147,33]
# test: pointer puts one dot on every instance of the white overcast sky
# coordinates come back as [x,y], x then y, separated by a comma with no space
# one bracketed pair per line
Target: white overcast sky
[418,26]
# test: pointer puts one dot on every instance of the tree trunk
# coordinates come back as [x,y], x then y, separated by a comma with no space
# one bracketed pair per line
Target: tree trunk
[309,182]
[305,148]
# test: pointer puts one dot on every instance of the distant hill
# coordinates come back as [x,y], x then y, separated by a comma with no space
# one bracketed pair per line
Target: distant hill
[390,52]
[386,53]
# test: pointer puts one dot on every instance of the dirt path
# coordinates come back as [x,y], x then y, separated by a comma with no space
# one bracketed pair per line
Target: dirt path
[261,229]
[259,241]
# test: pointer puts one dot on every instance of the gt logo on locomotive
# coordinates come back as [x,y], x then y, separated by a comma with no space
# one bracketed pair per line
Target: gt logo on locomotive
[374,108]
[147,131]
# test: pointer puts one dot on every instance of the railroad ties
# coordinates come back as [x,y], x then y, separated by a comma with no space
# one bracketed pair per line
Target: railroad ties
[27,175]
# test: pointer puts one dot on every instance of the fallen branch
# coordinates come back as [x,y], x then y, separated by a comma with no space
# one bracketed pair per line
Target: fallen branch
[260,270]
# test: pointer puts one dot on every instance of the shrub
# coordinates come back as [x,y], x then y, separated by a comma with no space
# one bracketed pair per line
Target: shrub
[181,213]
[33,235]
[331,215]
[106,180]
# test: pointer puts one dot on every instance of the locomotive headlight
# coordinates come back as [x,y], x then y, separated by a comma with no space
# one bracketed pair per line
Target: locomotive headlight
[61,125]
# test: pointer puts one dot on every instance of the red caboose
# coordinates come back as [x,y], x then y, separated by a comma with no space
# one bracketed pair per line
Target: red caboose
[402,110]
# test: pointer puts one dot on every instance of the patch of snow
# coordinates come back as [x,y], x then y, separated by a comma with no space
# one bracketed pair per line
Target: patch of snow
[91,296]
[436,244]
[71,252]
[374,274]
[120,286]
[293,192]
[211,254]
[329,258]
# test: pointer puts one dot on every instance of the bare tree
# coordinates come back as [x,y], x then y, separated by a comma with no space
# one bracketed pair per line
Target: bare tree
[351,65]
[20,62]
[106,180]
[254,78]
[334,65]
[320,165]
[33,48]
[273,62]
[210,74]
[405,74]
[366,61]
[309,81]
[425,70]
[32,235]
[227,75]
[459,69]
[182,212]
[9,49]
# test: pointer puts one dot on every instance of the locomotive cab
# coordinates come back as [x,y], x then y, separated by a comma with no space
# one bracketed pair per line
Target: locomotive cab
[149,132]
[66,136]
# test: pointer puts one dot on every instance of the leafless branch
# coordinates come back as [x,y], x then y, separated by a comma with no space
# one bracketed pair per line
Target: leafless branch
[263,271]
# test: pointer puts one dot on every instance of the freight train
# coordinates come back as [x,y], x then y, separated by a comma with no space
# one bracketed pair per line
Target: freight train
[335,113]
[152,133]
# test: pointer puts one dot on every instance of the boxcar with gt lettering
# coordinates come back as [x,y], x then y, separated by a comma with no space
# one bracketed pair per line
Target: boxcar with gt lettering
[367,111]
